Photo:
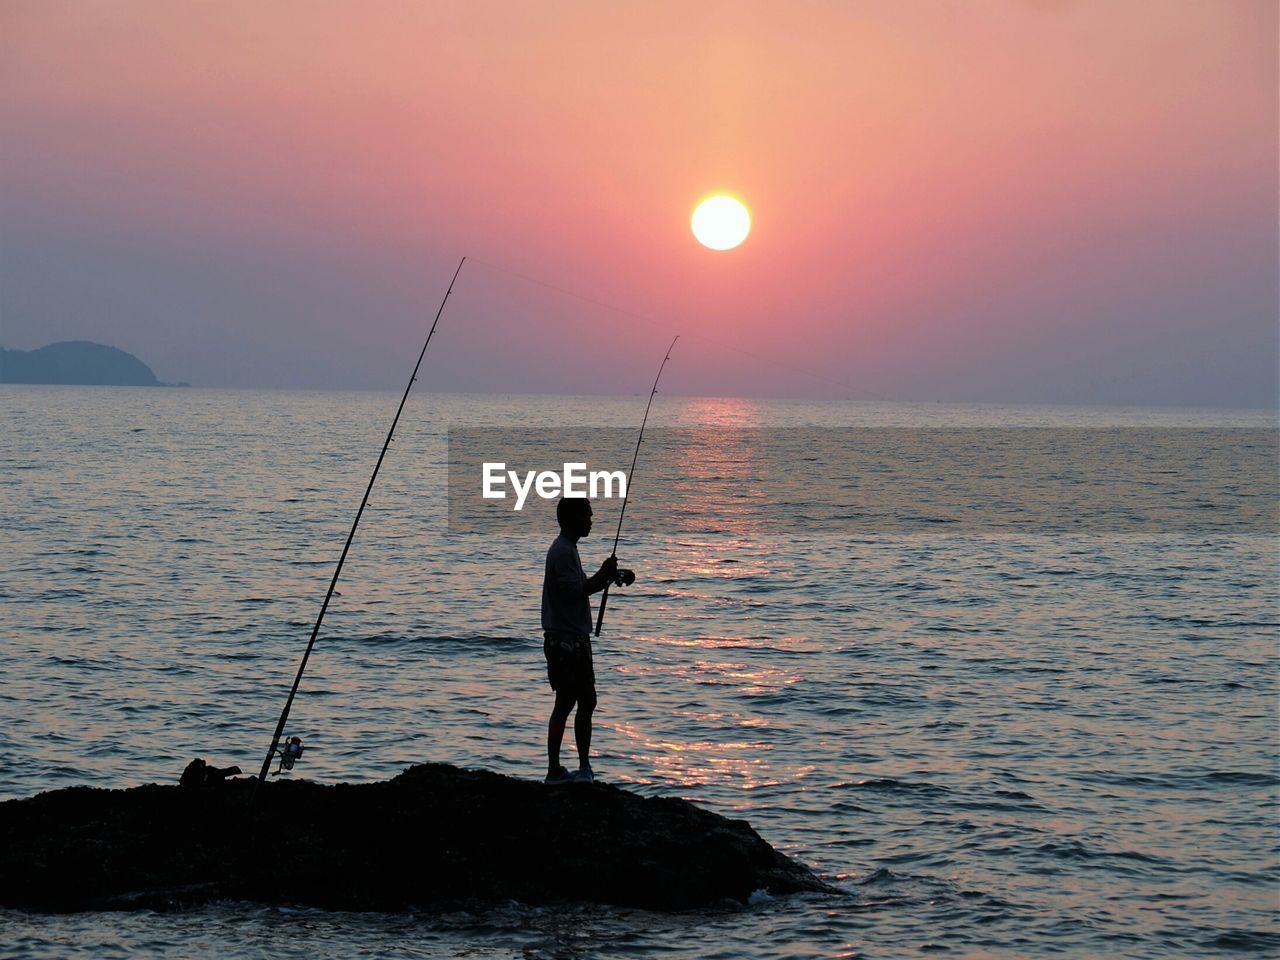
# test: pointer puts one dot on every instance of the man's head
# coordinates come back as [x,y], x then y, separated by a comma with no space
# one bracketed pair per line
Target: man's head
[574,516]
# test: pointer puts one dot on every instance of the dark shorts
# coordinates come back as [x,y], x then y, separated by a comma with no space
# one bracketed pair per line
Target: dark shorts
[569,666]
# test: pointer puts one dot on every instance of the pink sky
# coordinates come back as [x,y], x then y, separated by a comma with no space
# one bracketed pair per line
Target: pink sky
[1013,200]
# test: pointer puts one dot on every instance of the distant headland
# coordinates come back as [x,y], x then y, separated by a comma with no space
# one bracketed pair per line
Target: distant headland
[77,362]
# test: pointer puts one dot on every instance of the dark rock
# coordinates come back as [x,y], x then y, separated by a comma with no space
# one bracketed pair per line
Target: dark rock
[199,775]
[75,362]
[435,834]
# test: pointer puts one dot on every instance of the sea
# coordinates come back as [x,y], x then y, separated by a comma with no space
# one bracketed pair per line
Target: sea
[1002,737]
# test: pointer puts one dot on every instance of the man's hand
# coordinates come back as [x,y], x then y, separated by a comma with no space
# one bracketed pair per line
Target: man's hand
[607,573]
[609,569]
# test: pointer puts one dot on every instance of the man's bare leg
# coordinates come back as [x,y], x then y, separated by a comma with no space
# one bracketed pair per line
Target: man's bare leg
[582,728]
[555,730]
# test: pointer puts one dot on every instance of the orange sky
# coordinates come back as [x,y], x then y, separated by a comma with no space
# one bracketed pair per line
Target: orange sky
[995,200]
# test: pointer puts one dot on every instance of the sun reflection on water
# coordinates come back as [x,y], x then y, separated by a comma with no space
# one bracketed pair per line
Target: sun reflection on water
[740,765]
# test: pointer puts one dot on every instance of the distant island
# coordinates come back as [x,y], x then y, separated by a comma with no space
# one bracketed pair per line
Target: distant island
[77,362]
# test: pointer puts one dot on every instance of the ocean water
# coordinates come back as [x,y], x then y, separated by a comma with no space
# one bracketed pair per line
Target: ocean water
[995,743]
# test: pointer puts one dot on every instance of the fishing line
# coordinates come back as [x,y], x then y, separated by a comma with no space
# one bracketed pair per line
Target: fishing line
[293,750]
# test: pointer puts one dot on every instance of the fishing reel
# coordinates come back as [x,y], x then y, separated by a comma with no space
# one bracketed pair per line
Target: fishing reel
[290,753]
[624,577]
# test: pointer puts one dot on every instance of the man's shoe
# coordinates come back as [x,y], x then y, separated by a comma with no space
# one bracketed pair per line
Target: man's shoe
[560,776]
[584,775]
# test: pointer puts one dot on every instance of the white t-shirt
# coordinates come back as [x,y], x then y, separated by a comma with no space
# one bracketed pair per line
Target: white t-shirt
[565,607]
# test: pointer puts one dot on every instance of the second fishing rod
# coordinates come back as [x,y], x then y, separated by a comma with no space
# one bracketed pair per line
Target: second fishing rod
[292,750]
[604,597]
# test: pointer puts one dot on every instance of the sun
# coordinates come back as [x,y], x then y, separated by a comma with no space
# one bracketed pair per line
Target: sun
[721,222]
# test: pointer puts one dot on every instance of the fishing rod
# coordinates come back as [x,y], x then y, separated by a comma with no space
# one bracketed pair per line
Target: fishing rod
[604,597]
[293,750]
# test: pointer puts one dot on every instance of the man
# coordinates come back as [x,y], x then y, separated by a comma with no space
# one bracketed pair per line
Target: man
[566,625]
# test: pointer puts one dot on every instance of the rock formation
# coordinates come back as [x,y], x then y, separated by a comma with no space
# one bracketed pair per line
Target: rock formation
[433,835]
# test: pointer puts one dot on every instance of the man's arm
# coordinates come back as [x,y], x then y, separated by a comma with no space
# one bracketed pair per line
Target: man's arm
[605,575]
[570,583]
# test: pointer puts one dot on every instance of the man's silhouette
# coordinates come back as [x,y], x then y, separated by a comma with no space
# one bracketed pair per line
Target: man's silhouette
[566,625]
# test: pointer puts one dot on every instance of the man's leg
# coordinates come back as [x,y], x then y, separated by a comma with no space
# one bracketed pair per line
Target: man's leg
[555,729]
[582,726]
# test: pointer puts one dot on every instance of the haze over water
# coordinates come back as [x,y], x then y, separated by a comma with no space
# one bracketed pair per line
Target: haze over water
[1011,745]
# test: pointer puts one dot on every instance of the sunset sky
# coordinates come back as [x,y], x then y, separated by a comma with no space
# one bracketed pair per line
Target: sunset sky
[996,200]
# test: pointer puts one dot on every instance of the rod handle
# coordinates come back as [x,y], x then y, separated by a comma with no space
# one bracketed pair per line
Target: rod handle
[604,602]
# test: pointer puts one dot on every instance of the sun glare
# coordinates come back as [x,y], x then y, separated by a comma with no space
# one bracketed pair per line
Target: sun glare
[721,222]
